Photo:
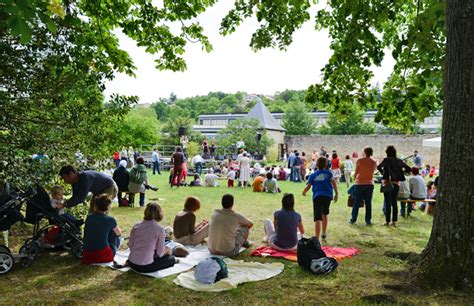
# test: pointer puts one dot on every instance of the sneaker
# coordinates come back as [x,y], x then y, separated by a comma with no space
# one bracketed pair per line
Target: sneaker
[323,237]
[369,224]
[351,222]
[386,224]
[247,244]
[393,224]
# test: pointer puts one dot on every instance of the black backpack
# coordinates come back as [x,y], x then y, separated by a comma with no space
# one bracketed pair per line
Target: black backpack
[309,249]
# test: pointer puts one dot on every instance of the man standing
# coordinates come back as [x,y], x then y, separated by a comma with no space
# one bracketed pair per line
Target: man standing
[84,182]
[228,230]
[240,145]
[197,162]
[417,160]
[184,143]
[291,161]
[155,161]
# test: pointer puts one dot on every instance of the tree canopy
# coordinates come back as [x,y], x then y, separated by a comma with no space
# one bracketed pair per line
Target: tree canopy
[297,120]
[245,129]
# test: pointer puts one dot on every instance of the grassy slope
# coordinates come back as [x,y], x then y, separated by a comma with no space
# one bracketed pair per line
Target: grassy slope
[58,278]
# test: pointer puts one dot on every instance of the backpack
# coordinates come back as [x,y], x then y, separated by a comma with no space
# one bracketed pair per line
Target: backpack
[307,250]
[137,175]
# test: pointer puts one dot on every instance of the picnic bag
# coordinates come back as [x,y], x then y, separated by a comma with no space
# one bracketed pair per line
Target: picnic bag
[307,250]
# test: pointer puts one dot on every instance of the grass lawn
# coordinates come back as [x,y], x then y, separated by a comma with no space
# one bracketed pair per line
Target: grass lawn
[59,278]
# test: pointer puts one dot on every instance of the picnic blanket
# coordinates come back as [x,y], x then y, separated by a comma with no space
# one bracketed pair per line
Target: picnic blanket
[239,272]
[196,254]
[335,252]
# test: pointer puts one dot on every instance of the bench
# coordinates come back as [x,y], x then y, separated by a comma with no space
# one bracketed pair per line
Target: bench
[429,209]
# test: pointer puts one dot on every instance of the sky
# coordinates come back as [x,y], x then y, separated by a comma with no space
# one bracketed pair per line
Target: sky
[232,66]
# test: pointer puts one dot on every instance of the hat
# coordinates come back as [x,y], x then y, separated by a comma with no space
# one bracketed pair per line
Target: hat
[210,270]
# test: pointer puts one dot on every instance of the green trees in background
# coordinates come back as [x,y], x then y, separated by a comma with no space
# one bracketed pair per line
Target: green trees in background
[297,120]
[139,127]
[245,129]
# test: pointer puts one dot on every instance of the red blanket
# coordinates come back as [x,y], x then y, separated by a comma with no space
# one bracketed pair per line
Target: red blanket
[337,253]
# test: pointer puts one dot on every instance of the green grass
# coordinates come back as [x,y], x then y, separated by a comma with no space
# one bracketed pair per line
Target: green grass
[59,278]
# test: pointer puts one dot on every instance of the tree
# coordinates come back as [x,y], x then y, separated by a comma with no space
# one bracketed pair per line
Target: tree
[297,120]
[350,124]
[138,127]
[246,130]
[162,110]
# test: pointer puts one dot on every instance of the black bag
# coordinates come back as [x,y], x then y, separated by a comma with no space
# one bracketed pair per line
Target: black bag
[309,249]
[388,186]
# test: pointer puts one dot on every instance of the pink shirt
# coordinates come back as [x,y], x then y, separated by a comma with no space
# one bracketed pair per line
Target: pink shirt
[147,239]
[364,171]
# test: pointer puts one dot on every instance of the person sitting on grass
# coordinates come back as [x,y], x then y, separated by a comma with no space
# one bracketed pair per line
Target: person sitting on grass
[210,179]
[283,234]
[258,183]
[270,185]
[184,226]
[101,233]
[196,182]
[228,230]
[281,174]
[323,185]
[147,243]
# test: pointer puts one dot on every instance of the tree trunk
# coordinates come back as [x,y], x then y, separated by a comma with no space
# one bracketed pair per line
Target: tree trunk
[448,259]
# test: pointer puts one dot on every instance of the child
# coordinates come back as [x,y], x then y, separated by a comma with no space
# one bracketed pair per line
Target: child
[57,202]
[196,182]
[323,185]
[270,184]
[258,183]
[231,177]
[281,174]
[101,233]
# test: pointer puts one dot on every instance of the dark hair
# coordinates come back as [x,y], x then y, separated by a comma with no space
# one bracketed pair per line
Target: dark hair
[231,168]
[140,161]
[297,154]
[334,155]
[348,157]
[269,175]
[196,176]
[430,184]
[303,154]
[192,204]
[102,202]
[288,202]
[391,151]
[153,211]
[178,149]
[66,170]
[227,201]
[415,171]
[321,163]
[368,151]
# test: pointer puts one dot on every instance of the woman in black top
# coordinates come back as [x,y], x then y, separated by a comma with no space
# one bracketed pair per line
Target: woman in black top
[391,169]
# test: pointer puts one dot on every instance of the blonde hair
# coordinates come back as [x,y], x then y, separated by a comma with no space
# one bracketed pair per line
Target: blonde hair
[55,190]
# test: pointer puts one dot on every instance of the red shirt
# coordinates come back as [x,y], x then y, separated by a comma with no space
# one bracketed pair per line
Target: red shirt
[335,163]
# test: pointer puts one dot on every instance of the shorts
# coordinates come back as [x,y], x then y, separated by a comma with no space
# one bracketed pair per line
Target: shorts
[321,207]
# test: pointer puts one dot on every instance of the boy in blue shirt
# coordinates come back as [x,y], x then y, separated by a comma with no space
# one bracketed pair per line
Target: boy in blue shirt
[323,185]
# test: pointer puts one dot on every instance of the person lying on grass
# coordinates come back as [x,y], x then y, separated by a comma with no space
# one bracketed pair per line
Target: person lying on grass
[229,230]
[148,252]
[184,226]
[323,185]
[287,227]
[101,233]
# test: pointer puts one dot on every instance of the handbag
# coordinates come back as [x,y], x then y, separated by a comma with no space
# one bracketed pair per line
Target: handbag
[388,186]
[350,202]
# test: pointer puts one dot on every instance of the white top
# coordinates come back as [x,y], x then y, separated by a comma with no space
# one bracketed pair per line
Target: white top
[231,175]
[240,144]
[197,159]
[348,165]
[155,157]
[210,180]
[55,203]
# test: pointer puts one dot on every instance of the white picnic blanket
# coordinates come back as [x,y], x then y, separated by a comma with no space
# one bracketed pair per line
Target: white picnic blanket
[239,272]
[196,254]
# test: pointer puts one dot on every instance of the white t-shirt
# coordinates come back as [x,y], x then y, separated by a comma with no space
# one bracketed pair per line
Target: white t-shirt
[240,144]
[210,180]
[197,159]
[231,175]
[348,165]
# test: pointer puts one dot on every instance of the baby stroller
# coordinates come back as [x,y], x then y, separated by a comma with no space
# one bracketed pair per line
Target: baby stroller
[10,206]
[60,232]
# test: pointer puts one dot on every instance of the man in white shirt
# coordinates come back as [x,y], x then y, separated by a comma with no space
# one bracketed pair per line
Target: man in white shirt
[210,179]
[155,161]
[240,145]
[197,162]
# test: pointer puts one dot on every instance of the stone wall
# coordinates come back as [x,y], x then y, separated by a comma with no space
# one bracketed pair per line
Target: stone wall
[346,144]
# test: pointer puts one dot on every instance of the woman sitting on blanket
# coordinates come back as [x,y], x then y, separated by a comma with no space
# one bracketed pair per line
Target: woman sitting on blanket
[282,234]
[148,252]
[101,233]
[184,226]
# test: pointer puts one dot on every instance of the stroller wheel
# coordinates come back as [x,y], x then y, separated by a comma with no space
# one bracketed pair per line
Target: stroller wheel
[6,262]
[26,262]
[30,249]
[4,248]
[76,249]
